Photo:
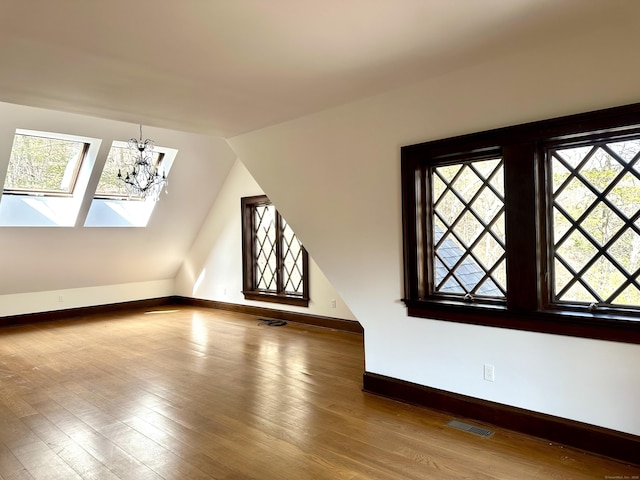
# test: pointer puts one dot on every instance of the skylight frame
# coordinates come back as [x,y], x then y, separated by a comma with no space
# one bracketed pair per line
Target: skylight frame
[123,211]
[44,192]
[35,209]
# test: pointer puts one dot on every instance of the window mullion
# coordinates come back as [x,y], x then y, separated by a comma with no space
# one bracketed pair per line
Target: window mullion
[520,226]
[426,258]
[260,220]
[568,237]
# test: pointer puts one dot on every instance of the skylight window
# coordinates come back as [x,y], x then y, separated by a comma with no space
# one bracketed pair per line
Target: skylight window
[113,205]
[43,165]
[46,179]
[120,159]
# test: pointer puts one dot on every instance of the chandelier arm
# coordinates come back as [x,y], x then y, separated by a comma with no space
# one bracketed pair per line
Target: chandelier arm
[143,180]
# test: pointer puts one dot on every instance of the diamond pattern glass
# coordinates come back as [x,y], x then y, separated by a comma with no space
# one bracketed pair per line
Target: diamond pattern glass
[292,261]
[468,228]
[278,260]
[595,202]
[265,247]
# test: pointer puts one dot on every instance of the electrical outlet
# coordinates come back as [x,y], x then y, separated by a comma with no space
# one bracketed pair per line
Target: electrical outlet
[60,298]
[333,303]
[489,373]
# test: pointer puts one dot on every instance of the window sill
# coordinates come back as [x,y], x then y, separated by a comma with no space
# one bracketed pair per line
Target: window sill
[598,326]
[275,298]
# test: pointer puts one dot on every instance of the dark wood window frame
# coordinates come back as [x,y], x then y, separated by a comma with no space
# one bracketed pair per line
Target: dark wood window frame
[250,290]
[528,305]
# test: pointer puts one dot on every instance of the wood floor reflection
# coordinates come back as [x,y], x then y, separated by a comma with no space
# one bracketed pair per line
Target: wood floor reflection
[200,394]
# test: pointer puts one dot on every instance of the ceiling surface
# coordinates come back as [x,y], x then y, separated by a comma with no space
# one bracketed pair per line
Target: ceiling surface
[225,67]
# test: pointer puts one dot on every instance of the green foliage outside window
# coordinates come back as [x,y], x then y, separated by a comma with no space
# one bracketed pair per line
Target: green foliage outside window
[120,159]
[597,244]
[40,164]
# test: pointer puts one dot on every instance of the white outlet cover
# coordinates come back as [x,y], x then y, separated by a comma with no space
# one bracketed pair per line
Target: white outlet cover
[489,373]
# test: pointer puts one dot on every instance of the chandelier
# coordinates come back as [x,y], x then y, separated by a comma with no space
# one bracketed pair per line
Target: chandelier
[144,180]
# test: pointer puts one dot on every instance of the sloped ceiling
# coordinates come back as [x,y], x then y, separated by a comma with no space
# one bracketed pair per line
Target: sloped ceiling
[36,259]
[215,69]
[228,67]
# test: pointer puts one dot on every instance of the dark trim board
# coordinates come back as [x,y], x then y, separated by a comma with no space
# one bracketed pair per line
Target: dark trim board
[602,441]
[67,313]
[315,320]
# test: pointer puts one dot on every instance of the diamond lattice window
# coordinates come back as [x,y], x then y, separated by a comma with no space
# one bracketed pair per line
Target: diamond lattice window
[595,220]
[275,263]
[468,229]
[266,264]
[532,227]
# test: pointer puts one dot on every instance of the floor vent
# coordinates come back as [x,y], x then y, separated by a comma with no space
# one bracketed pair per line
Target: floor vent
[465,427]
[272,323]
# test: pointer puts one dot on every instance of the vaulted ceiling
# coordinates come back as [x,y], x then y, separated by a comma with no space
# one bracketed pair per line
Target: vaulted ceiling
[228,67]
[193,70]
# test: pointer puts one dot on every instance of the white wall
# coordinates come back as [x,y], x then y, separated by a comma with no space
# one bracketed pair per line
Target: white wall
[53,268]
[39,260]
[34,302]
[345,204]
[213,268]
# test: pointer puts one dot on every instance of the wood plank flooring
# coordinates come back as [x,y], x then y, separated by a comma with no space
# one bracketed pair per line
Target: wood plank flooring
[202,394]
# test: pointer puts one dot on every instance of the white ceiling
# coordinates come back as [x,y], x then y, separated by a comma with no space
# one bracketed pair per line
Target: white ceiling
[225,67]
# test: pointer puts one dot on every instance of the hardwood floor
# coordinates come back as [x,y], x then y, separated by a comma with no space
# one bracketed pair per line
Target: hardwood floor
[202,394]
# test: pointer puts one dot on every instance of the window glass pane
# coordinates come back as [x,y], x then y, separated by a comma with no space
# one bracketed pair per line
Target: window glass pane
[120,159]
[292,261]
[274,260]
[44,165]
[595,229]
[468,229]
[265,247]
